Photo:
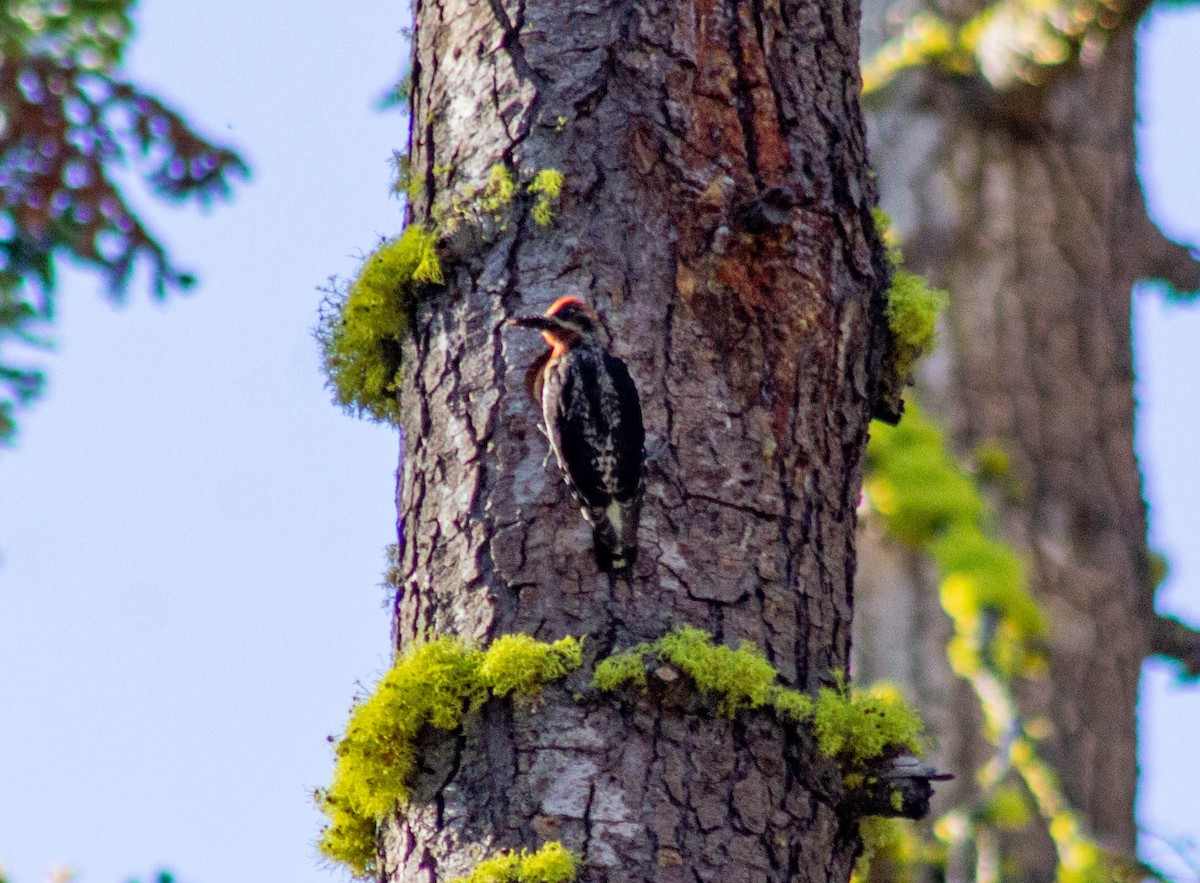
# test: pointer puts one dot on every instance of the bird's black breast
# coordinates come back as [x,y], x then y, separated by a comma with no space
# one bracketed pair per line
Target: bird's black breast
[594,419]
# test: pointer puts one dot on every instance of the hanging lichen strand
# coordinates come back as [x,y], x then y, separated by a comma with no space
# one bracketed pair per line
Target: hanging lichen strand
[363,325]
[929,502]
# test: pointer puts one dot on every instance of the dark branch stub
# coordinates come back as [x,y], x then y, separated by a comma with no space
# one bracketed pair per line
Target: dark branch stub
[899,786]
[1177,641]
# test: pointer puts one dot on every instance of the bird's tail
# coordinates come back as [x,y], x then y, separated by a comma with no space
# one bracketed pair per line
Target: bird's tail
[612,559]
[615,535]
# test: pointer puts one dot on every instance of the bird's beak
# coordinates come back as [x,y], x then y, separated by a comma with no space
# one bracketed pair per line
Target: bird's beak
[538,323]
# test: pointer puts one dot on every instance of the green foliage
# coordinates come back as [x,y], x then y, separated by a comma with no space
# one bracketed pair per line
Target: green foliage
[1007,43]
[851,727]
[546,188]
[434,684]
[398,96]
[362,329]
[1007,809]
[553,863]
[914,482]
[160,877]
[980,573]
[895,849]
[89,33]
[69,121]
[927,501]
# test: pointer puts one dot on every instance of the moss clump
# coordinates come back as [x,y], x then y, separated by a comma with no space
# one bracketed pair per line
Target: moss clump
[433,684]
[855,726]
[851,727]
[1158,568]
[912,311]
[362,330]
[521,664]
[546,188]
[624,669]
[929,502]
[553,863]
[912,307]
[731,679]
[896,851]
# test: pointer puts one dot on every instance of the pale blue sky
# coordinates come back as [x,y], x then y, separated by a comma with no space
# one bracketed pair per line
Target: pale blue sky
[192,536]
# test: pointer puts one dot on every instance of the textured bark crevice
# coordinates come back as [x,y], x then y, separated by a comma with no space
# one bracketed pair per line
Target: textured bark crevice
[1027,208]
[754,348]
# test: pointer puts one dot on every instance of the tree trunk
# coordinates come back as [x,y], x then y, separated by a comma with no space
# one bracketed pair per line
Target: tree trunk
[1025,205]
[753,336]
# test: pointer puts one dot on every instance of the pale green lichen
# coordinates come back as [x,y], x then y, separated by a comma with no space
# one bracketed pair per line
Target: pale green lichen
[852,727]
[553,863]
[434,684]
[498,194]
[546,188]
[485,209]
[362,329]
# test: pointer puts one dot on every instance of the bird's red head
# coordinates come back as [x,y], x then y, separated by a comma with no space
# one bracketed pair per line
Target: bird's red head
[568,321]
[570,302]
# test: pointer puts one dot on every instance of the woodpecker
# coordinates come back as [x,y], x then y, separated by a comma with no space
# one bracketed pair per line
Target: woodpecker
[594,423]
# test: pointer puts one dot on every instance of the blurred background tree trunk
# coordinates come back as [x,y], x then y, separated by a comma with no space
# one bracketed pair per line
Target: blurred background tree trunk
[753,329]
[1016,190]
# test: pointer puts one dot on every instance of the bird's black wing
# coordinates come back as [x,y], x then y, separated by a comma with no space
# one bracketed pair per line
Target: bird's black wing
[628,435]
[572,384]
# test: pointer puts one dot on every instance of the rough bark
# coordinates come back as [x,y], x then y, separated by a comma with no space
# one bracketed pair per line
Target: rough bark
[1026,206]
[753,344]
